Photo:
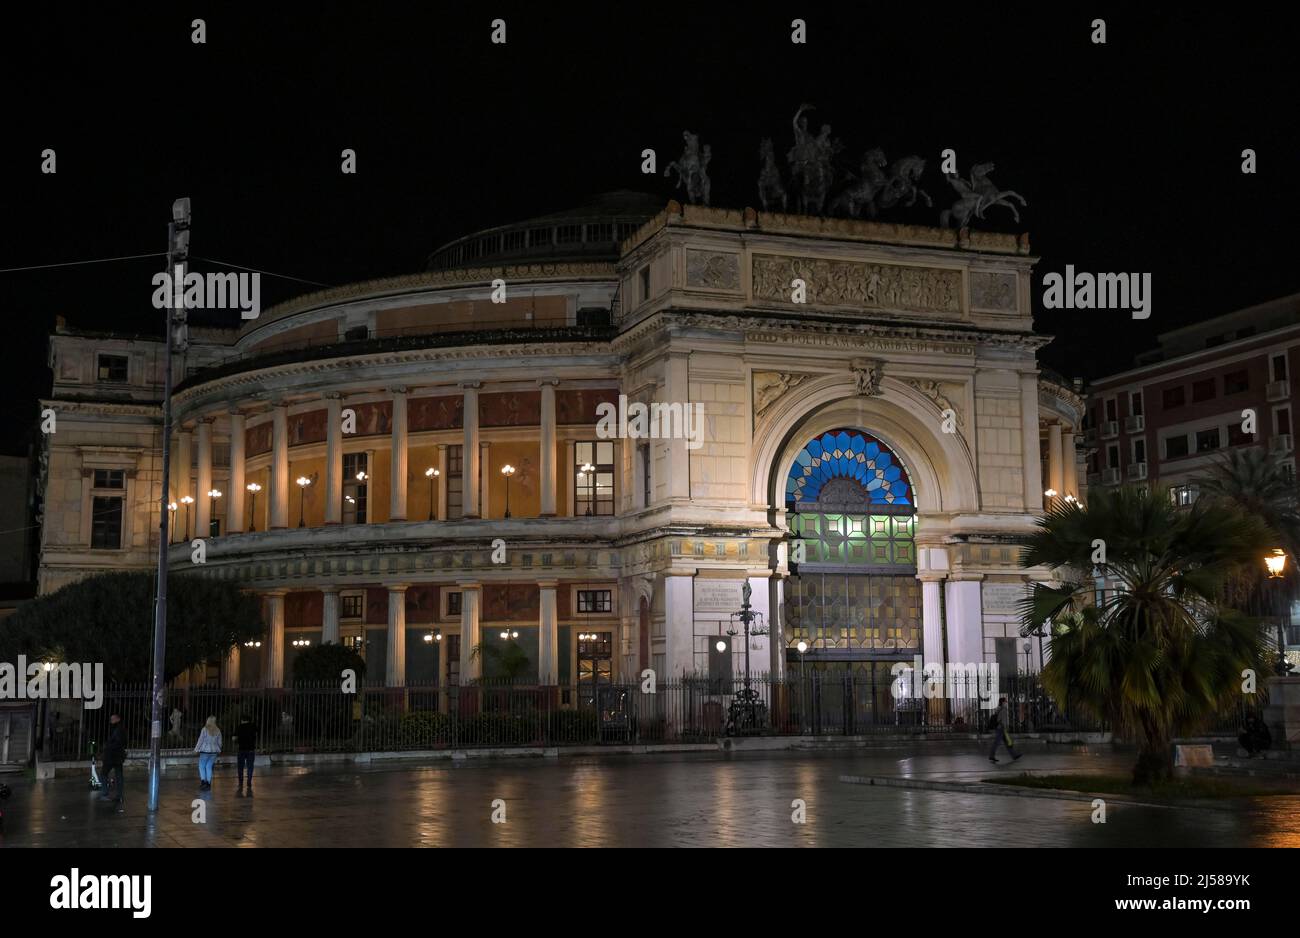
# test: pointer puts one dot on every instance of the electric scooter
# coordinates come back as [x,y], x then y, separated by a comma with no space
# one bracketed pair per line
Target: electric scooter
[95,783]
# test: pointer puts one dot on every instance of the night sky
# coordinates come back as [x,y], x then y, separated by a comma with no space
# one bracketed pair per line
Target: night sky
[1128,153]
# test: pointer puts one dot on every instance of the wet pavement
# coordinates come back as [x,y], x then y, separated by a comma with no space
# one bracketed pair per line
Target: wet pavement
[694,800]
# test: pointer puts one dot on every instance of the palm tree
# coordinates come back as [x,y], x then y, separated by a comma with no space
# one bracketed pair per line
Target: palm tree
[508,659]
[1154,650]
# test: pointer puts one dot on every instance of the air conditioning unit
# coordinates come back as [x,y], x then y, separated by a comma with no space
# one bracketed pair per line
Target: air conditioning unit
[1137,471]
[1282,443]
[1278,390]
[1110,429]
[1110,477]
[1135,424]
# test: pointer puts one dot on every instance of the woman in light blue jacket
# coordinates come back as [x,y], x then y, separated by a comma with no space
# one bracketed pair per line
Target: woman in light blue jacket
[208,748]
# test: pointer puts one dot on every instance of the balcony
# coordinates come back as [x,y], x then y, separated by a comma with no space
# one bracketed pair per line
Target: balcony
[1137,472]
[1111,477]
[1278,390]
[1110,430]
[1135,424]
[1282,443]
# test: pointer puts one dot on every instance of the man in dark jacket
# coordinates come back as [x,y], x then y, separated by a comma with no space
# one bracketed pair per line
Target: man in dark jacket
[114,758]
[246,733]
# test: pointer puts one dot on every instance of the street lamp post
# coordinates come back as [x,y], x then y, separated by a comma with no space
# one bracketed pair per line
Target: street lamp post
[432,474]
[507,470]
[171,507]
[1276,564]
[745,705]
[213,495]
[589,472]
[803,676]
[253,489]
[187,501]
[303,482]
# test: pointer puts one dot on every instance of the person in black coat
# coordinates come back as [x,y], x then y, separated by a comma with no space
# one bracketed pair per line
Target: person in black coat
[115,757]
[1255,736]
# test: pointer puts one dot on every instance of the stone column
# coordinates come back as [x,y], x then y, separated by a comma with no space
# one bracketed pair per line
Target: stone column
[469,461]
[1055,471]
[548,634]
[485,468]
[547,454]
[230,669]
[932,618]
[329,628]
[679,626]
[965,619]
[398,459]
[677,391]
[1029,428]
[235,497]
[567,477]
[273,674]
[279,476]
[470,664]
[442,482]
[396,673]
[777,638]
[184,481]
[203,503]
[1070,457]
[174,470]
[333,459]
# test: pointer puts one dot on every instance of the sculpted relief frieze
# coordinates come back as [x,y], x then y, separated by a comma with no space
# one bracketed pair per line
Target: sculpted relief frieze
[712,270]
[856,284]
[771,386]
[993,292]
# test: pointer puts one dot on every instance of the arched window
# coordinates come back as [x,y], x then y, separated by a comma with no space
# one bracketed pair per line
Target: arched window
[847,468]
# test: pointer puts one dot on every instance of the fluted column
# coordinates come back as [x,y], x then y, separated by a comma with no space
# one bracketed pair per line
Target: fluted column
[1069,456]
[442,482]
[329,622]
[230,669]
[548,641]
[485,489]
[548,448]
[279,515]
[932,618]
[398,459]
[396,671]
[235,497]
[273,673]
[469,461]
[470,596]
[677,391]
[333,460]
[203,505]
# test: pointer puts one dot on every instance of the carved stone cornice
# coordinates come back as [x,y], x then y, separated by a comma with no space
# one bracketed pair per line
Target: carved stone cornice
[102,408]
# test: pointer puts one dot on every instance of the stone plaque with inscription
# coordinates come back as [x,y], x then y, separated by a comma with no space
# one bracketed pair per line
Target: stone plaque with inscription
[1003,599]
[718,595]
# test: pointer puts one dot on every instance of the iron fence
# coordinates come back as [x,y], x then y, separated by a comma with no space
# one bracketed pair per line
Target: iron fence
[493,713]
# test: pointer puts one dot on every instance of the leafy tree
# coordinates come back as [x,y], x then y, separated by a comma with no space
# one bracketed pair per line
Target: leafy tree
[505,660]
[1160,653]
[109,618]
[324,664]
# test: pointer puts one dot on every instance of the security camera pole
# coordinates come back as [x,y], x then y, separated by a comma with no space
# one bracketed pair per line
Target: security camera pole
[178,252]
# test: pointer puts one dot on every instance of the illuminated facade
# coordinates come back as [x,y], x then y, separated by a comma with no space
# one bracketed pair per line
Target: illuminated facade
[868,447]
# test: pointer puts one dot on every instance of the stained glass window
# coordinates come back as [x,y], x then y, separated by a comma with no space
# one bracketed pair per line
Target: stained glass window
[848,466]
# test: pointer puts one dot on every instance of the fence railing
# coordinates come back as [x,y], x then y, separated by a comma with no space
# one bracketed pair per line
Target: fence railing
[321,718]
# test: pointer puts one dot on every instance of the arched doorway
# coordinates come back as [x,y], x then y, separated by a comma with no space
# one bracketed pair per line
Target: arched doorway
[852,595]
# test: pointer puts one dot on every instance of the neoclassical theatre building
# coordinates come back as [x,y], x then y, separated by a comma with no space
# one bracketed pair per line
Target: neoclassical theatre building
[409,467]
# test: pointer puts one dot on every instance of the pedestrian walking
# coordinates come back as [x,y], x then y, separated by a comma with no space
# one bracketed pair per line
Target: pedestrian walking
[114,759]
[246,735]
[208,747]
[998,723]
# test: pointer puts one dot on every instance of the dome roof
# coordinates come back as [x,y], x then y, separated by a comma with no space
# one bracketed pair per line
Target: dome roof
[592,231]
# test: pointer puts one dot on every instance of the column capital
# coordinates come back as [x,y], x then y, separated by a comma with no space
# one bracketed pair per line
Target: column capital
[397,587]
[470,385]
[548,584]
[398,389]
[235,411]
[932,577]
[332,396]
[469,585]
[331,589]
[276,593]
[441,446]
[203,420]
[965,577]
[543,382]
